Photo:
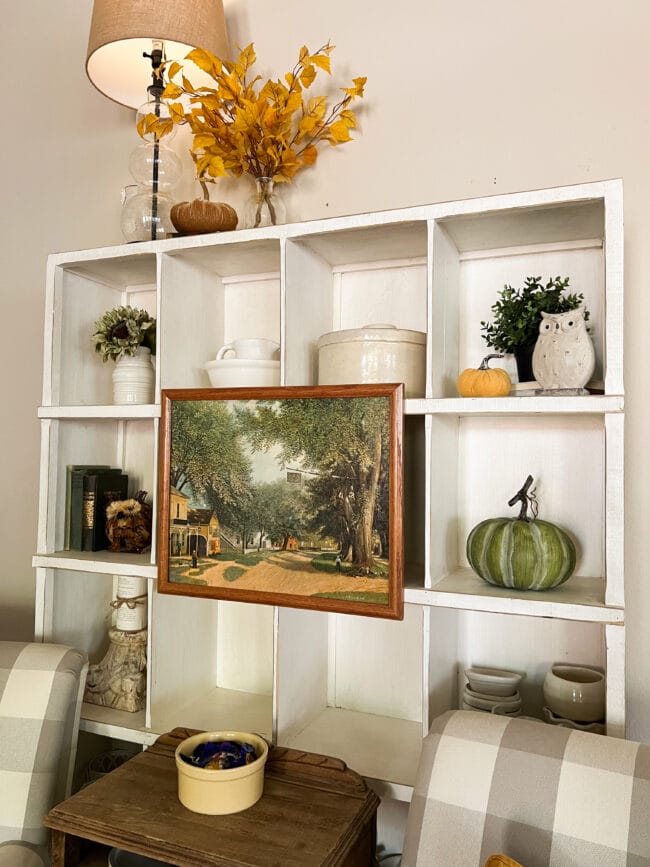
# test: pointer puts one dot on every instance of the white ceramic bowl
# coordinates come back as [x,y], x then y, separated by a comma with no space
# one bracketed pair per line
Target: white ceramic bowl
[554,720]
[508,703]
[498,709]
[471,695]
[216,792]
[575,693]
[493,681]
[243,373]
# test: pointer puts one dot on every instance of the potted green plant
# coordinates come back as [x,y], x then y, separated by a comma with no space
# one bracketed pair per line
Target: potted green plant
[518,312]
[127,336]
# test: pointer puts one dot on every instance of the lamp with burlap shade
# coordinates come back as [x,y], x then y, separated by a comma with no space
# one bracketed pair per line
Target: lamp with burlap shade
[121,31]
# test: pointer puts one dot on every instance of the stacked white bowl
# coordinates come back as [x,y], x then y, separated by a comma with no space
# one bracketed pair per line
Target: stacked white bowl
[492,690]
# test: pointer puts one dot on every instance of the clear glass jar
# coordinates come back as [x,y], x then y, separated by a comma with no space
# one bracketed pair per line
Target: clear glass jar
[264,207]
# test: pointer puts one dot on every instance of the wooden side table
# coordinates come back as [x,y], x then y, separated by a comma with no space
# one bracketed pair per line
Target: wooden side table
[315,812]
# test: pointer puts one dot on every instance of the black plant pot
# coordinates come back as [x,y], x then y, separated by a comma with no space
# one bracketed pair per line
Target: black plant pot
[524,359]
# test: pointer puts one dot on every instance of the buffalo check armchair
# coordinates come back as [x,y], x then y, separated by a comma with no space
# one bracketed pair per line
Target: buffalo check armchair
[41,689]
[490,789]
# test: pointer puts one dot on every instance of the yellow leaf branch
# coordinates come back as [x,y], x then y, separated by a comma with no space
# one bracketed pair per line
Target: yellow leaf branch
[266,129]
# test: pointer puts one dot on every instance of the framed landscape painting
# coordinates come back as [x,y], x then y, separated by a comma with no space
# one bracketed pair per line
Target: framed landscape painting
[284,496]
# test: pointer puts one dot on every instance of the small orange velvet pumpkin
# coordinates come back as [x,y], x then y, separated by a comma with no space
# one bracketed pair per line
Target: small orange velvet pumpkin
[200,215]
[484,381]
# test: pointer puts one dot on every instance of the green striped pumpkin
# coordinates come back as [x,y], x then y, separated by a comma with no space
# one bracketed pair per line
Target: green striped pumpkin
[521,553]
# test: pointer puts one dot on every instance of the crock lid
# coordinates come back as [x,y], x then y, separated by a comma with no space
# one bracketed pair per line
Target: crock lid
[376,333]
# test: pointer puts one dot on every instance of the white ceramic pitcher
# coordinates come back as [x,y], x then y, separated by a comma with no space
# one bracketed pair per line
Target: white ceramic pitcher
[257,348]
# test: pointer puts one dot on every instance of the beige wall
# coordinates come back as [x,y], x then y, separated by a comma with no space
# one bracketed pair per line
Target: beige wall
[464,99]
[62,166]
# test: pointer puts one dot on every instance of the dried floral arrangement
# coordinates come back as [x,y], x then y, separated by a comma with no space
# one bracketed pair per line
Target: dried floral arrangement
[122,330]
[265,129]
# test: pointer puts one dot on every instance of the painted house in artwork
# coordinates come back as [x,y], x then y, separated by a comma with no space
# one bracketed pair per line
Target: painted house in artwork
[178,504]
[203,532]
[191,529]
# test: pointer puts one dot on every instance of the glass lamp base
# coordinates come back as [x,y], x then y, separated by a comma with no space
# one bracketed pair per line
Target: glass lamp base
[146,216]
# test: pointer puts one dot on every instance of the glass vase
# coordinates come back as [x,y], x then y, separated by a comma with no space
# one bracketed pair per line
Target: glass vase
[264,207]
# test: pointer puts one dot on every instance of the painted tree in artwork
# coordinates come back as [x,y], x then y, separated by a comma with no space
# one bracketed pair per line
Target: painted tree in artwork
[344,439]
[207,455]
[273,510]
[280,511]
[327,517]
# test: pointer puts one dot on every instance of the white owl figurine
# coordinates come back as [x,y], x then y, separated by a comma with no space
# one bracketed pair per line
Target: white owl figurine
[564,354]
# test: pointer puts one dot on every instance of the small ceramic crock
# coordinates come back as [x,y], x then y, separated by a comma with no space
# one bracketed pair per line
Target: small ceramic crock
[216,792]
[374,353]
[575,693]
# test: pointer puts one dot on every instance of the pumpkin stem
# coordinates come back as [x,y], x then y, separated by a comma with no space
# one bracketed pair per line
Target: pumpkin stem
[484,364]
[204,187]
[526,499]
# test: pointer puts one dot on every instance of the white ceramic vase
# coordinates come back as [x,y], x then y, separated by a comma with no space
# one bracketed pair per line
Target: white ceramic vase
[133,378]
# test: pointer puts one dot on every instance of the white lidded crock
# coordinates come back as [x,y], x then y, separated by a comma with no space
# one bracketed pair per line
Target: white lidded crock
[374,353]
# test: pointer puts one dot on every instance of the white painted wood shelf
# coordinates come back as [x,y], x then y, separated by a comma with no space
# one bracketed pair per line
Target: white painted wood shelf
[375,746]
[113,412]
[592,404]
[581,598]
[104,562]
[106,721]
[360,688]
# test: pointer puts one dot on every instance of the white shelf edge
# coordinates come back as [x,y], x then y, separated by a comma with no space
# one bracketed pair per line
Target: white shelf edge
[555,246]
[591,404]
[548,603]
[96,561]
[117,412]
[120,724]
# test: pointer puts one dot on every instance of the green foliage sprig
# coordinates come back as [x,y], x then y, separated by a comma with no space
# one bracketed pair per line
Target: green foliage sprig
[120,331]
[518,312]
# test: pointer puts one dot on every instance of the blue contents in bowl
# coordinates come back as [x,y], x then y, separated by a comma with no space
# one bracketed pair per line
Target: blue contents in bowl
[220,755]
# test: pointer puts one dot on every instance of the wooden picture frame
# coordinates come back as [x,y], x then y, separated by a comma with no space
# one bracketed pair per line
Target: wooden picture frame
[284,496]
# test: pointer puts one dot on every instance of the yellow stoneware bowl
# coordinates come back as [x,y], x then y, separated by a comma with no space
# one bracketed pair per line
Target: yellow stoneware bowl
[219,792]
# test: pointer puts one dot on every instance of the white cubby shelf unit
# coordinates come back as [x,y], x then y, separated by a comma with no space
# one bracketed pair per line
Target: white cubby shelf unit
[359,688]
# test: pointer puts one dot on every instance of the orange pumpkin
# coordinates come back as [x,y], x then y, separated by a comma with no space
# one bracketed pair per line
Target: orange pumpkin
[200,215]
[484,381]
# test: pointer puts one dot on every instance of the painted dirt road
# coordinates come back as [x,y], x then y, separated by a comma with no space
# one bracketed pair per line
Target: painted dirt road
[287,572]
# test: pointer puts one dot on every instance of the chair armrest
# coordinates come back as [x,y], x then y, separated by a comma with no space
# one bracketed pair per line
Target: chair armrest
[19,854]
